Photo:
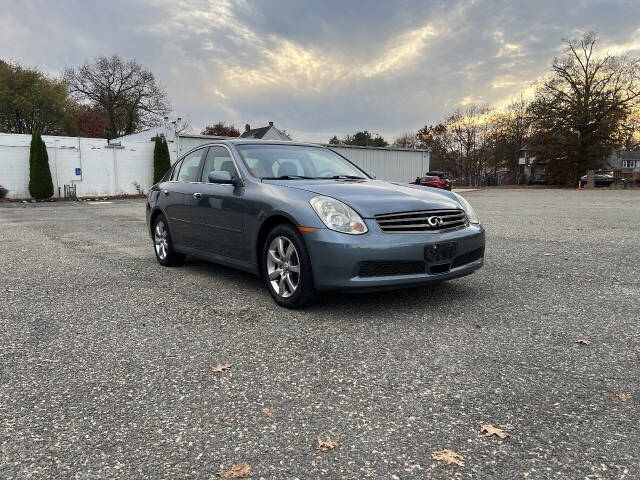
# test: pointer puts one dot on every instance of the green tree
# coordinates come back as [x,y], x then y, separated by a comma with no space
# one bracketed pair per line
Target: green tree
[363,138]
[40,182]
[161,159]
[581,109]
[31,101]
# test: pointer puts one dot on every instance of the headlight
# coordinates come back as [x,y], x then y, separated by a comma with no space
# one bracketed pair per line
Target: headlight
[468,209]
[338,216]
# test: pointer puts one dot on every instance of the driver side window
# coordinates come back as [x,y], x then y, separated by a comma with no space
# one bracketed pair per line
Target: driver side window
[218,159]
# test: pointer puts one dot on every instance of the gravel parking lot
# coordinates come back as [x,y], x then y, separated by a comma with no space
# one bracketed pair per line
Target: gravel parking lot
[107,359]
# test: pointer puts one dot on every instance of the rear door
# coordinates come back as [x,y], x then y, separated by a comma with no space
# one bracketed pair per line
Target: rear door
[218,210]
[179,191]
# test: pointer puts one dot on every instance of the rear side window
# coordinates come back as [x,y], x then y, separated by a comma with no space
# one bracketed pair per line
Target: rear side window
[190,166]
[218,159]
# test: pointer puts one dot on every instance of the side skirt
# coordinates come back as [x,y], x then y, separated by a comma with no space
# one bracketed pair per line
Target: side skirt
[222,260]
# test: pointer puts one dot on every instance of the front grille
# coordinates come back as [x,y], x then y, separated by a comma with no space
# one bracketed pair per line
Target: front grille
[416,222]
[382,268]
[468,257]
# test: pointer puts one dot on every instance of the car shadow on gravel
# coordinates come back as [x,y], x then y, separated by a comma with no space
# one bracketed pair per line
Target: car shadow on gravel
[411,300]
[360,305]
[203,267]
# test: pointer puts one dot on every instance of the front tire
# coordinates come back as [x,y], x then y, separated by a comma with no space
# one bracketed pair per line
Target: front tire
[163,244]
[286,268]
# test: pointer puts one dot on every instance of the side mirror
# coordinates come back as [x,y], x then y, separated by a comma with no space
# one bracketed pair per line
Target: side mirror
[222,177]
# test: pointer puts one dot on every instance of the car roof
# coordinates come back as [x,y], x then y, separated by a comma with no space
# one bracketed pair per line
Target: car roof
[250,141]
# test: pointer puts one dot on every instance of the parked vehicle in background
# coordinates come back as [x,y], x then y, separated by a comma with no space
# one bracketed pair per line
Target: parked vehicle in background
[437,173]
[433,181]
[305,219]
[602,179]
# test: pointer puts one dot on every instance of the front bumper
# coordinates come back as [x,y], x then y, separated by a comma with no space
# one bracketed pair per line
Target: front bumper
[337,258]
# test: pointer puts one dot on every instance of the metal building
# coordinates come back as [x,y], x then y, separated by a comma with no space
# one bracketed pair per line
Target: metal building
[387,163]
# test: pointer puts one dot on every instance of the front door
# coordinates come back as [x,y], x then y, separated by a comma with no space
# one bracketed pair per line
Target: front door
[217,210]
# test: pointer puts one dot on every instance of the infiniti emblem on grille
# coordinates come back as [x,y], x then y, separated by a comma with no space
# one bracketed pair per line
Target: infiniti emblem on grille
[435,221]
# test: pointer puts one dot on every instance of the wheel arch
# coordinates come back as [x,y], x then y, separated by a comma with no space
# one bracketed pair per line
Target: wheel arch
[267,225]
[155,213]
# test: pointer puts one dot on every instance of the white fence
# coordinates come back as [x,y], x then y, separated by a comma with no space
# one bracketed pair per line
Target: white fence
[94,166]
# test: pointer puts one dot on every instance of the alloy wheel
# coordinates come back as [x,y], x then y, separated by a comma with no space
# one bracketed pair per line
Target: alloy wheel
[283,266]
[160,240]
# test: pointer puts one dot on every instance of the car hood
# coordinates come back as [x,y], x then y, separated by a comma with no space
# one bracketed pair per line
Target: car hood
[374,197]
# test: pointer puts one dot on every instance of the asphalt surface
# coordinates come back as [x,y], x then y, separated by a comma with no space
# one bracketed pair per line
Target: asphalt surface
[107,358]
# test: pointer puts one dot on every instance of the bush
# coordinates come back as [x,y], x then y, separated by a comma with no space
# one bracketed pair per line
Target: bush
[161,159]
[3,192]
[40,183]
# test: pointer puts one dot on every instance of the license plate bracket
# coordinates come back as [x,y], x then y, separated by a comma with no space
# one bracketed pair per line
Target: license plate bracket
[443,252]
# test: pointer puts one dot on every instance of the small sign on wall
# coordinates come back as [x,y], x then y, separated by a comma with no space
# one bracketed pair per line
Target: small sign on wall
[78,171]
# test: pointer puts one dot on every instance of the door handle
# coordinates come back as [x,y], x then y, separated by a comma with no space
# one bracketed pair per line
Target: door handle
[166,192]
[197,195]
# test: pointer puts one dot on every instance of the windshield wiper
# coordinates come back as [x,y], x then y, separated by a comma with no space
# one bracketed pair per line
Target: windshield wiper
[339,177]
[287,177]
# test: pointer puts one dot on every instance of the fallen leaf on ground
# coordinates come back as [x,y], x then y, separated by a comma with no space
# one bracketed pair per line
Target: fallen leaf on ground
[547,254]
[490,430]
[222,368]
[478,325]
[269,412]
[583,342]
[10,290]
[324,445]
[625,397]
[241,470]
[448,456]
[159,302]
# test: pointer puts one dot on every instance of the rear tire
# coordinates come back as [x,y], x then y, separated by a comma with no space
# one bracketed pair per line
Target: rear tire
[163,244]
[286,268]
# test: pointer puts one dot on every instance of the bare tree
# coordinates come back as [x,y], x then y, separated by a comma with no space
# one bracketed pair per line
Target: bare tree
[407,140]
[469,128]
[511,128]
[182,125]
[127,93]
[581,108]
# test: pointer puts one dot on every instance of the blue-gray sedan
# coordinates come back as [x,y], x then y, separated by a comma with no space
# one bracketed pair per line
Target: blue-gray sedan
[306,219]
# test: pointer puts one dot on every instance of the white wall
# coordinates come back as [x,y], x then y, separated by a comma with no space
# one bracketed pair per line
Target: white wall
[105,170]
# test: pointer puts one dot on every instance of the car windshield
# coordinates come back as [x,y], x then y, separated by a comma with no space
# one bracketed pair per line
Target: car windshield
[291,162]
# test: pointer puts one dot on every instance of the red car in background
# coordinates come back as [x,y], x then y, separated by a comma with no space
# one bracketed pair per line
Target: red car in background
[433,181]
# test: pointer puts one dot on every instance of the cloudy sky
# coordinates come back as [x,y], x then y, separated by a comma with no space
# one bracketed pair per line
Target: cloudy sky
[317,68]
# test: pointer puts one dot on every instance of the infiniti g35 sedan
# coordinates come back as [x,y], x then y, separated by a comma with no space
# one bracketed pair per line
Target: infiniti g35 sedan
[306,219]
